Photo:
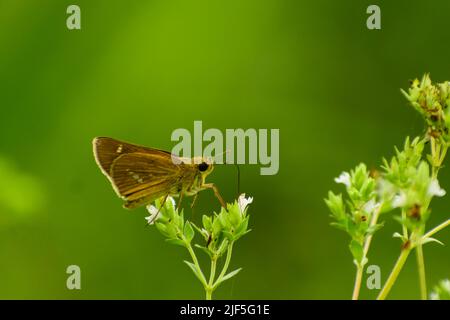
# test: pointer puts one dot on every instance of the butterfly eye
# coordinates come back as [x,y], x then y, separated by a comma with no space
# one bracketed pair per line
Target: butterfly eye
[203,166]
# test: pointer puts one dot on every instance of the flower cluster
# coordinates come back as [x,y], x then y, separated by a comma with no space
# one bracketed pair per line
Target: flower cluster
[355,213]
[432,102]
[219,232]
[170,222]
[226,227]
[410,183]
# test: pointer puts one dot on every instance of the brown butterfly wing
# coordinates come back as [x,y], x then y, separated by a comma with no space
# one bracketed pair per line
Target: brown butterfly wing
[106,150]
[135,175]
[138,174]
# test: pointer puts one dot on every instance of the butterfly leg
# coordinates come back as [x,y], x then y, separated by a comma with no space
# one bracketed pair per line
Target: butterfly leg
[181,199]
[193,203]
[194,200]
[159,209]
[216,193]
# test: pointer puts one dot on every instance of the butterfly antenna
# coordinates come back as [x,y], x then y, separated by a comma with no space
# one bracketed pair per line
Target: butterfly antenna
[220,154]
[238,179]
[237,170]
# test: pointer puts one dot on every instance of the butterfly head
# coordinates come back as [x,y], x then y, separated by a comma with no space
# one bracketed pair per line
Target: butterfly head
[205,165]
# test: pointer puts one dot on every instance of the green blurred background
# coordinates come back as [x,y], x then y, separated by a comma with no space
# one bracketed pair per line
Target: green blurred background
[139,69]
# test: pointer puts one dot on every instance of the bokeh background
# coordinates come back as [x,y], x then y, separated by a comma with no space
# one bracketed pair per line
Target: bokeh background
[139,69]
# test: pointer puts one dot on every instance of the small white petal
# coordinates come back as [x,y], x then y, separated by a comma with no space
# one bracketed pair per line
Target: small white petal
[152,209]
[153,212]
[173,201]
[435,190]
[244,202]
[370,206]
[399,200]
[343,178]
[385,188]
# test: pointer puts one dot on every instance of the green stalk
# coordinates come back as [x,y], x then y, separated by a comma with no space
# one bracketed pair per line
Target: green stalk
[367,242]
[358,279]
[404,228]
[195,261]
[438,153]
[430,233]
[210,288]
[225,266]
[394,273]
[421,269]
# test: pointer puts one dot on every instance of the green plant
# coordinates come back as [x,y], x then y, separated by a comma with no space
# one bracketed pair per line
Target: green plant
[407,182]
[219,233]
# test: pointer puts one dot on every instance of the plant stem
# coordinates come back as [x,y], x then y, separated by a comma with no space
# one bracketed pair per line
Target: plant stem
[195,261]
[373,222]
[358,279]
[421,269]
[404,228]
[360,269]
[394,273]
[210,288]
[430,233]
[438,152]
[225,266]
[434,159]
[213,270]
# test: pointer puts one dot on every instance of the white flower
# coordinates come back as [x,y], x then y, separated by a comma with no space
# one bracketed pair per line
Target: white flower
[435,190]
[343,178]
[370,206]
[399,200]
[385,188]
[243,202]
[155,212]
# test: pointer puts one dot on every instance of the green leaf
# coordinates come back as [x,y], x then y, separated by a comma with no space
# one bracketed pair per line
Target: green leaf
[194,270]
[223,219]
[375,228]
[230,275]
[356,250]
[188,231]
[223,247]
[341,225]
[203,232]
[229,235]
[177,242]
[336,205]
[242,228]
[204,249]
[207,224]
[161,227]
[216,226]
[427,240]
[400,236]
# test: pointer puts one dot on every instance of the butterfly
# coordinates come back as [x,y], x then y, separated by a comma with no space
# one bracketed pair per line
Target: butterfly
[140,175]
